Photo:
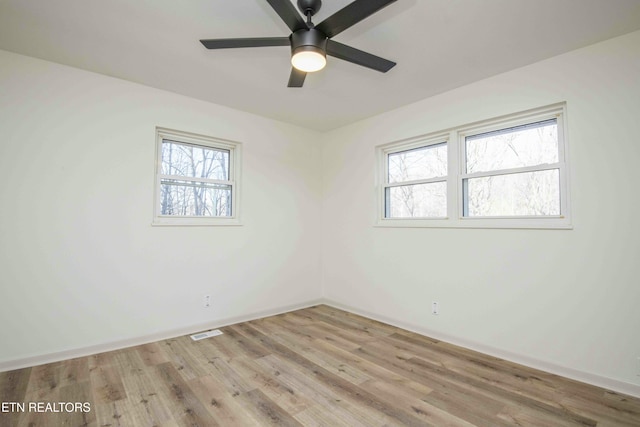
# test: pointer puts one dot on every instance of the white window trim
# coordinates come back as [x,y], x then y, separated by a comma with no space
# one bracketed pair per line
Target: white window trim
[455,138]
[235,162]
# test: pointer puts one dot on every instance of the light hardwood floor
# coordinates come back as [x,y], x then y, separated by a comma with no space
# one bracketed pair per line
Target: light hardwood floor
[314,367]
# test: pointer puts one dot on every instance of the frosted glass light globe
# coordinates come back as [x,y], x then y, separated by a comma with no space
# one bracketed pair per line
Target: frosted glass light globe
[308,61]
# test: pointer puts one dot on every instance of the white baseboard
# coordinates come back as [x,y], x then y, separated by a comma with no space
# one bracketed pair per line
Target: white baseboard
[574,374]
[146,339]
[586,377]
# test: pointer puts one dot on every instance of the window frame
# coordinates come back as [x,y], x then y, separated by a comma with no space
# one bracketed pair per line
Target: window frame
[456,155]
[187,138]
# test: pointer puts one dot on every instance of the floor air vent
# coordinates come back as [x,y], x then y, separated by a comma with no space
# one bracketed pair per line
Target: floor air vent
[207,334]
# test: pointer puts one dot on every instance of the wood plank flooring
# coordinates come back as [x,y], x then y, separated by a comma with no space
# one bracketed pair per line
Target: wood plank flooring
[314,367]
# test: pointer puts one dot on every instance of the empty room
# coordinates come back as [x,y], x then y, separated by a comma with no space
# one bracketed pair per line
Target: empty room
[319,213]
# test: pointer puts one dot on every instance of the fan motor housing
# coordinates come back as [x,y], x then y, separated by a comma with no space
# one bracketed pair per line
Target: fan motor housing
[311,39]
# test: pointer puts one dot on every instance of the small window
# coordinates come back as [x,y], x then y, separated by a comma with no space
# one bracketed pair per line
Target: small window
[416,181]
[196,180]
[508,172]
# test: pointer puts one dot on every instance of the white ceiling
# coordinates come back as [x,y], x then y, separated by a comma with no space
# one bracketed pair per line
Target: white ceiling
[438,45]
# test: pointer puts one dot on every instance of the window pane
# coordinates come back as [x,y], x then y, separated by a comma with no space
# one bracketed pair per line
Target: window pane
[194,161]
[188,198]
[417,201]
[419,163]
[518,194]
[529,145]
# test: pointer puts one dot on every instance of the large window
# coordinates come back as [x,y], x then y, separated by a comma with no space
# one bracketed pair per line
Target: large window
[506,172]
[196,180]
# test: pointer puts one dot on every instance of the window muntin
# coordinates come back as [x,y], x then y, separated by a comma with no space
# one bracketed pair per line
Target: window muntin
[416,181]
[507,172]
[196,180]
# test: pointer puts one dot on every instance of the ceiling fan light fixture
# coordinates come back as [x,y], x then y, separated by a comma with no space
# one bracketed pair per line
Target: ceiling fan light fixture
[308,59]
[311,43]
[308,50]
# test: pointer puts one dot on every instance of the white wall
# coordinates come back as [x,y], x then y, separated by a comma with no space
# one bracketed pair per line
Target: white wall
[80,263]
[565,299]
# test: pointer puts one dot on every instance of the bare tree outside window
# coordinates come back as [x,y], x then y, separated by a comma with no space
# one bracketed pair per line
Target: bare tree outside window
[504,172]
[505,185]
[194,181]
[417,198]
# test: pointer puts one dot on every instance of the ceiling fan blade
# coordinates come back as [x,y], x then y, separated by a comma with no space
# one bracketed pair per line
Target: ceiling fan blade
[351,15]
[296,79]
[246,42]
[289,14]
[348,53]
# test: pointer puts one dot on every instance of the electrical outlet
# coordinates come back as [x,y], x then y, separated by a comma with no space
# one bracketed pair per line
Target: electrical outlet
[638,367]
[435,308]
[207,300]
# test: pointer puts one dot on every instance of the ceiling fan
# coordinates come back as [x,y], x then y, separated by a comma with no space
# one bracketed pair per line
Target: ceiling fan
[310,44]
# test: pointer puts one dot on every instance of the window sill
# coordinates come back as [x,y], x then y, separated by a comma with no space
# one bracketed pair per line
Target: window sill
[495,223]
[195,222]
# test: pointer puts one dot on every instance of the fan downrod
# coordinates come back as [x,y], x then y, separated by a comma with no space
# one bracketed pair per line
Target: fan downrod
[309,7]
